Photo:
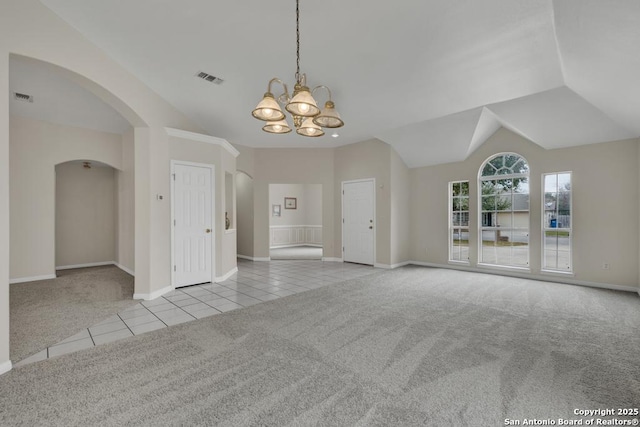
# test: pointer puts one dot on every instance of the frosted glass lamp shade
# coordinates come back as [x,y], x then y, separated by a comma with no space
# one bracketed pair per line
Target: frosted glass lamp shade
[309,128]
[302,104]
[268,109]
[329,117]
[280,126]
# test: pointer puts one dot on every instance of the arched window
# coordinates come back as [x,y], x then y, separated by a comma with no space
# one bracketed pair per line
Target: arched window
[503,182]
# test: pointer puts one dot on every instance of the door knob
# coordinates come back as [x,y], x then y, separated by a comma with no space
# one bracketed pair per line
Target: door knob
[208,230]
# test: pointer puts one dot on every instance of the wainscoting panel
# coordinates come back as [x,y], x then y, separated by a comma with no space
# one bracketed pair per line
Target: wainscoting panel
[280,236]
[295,235]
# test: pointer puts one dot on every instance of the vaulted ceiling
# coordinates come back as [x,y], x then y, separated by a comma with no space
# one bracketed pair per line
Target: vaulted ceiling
[432,78]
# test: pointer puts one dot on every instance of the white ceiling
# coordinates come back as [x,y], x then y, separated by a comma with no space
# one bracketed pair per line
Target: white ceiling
[432,78]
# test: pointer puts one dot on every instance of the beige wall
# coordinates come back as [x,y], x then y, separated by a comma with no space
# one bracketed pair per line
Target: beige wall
[400,234]
[224,162]
[308,204]
[291,165]
[327,168]
[50,39]
[125,251]
[299,226]
[35,148]
[86,214]
[312,203]
[244,215]
[5,362]
[245,161]
[605,205]
[277,193]
[368,159]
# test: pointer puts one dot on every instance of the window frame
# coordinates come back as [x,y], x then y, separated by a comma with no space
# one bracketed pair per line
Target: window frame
[495,227]
[546,227]
[452,226]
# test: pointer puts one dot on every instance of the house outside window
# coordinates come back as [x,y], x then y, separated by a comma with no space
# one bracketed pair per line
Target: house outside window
[503,184]
[459,221]
[556,222]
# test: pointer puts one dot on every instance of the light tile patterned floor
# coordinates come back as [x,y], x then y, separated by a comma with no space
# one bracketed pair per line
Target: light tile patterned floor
[254,283]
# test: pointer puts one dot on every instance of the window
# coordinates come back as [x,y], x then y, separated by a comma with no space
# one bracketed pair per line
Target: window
[504,211]
[459,221]
[556,222]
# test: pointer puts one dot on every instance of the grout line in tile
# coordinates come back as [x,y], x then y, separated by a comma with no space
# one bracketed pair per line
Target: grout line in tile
[125,323]
[156,316]
[91,336]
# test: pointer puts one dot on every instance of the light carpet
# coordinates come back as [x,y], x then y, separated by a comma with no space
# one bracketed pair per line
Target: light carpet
[413,346]
[45,312]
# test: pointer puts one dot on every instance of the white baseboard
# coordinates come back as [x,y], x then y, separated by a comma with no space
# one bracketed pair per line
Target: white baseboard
[391,266]
[296,245]
[227,275]
[97,264]
[400,264]
[250,258]
[125,269]
[5,367]
[154,294]
[540,277]
[32,278]
[330,259]
[89,264]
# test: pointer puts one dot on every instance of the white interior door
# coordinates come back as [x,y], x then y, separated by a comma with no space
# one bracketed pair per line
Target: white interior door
[193,230]
[358,228]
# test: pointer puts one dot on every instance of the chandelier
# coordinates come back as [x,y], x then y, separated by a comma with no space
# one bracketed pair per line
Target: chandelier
[307,117]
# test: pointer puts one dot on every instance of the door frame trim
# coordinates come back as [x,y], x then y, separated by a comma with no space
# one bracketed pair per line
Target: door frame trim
[375,223]
[212,169]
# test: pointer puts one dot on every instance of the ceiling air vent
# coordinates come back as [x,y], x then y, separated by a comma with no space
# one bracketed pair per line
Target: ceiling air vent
[22,97]
[209,78]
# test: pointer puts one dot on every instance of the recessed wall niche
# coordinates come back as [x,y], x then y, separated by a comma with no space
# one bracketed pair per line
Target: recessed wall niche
[228,201]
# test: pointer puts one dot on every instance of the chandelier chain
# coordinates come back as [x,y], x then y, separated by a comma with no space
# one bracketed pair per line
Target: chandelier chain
[298,41]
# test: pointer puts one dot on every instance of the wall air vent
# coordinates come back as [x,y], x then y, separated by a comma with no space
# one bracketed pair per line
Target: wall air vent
[22,97]
[209,78]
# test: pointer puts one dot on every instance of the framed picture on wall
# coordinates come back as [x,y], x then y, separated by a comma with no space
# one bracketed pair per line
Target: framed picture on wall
[290,203]
[275,210]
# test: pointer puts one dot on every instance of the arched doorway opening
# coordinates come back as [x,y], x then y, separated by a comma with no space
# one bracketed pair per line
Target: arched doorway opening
[61,127]
[86,214]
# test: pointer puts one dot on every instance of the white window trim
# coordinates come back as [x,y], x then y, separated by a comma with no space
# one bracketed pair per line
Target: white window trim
[449,212]
[544,228]
[480,228]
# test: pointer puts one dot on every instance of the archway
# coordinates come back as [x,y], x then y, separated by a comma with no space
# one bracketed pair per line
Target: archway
[39,147]
[86,214]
